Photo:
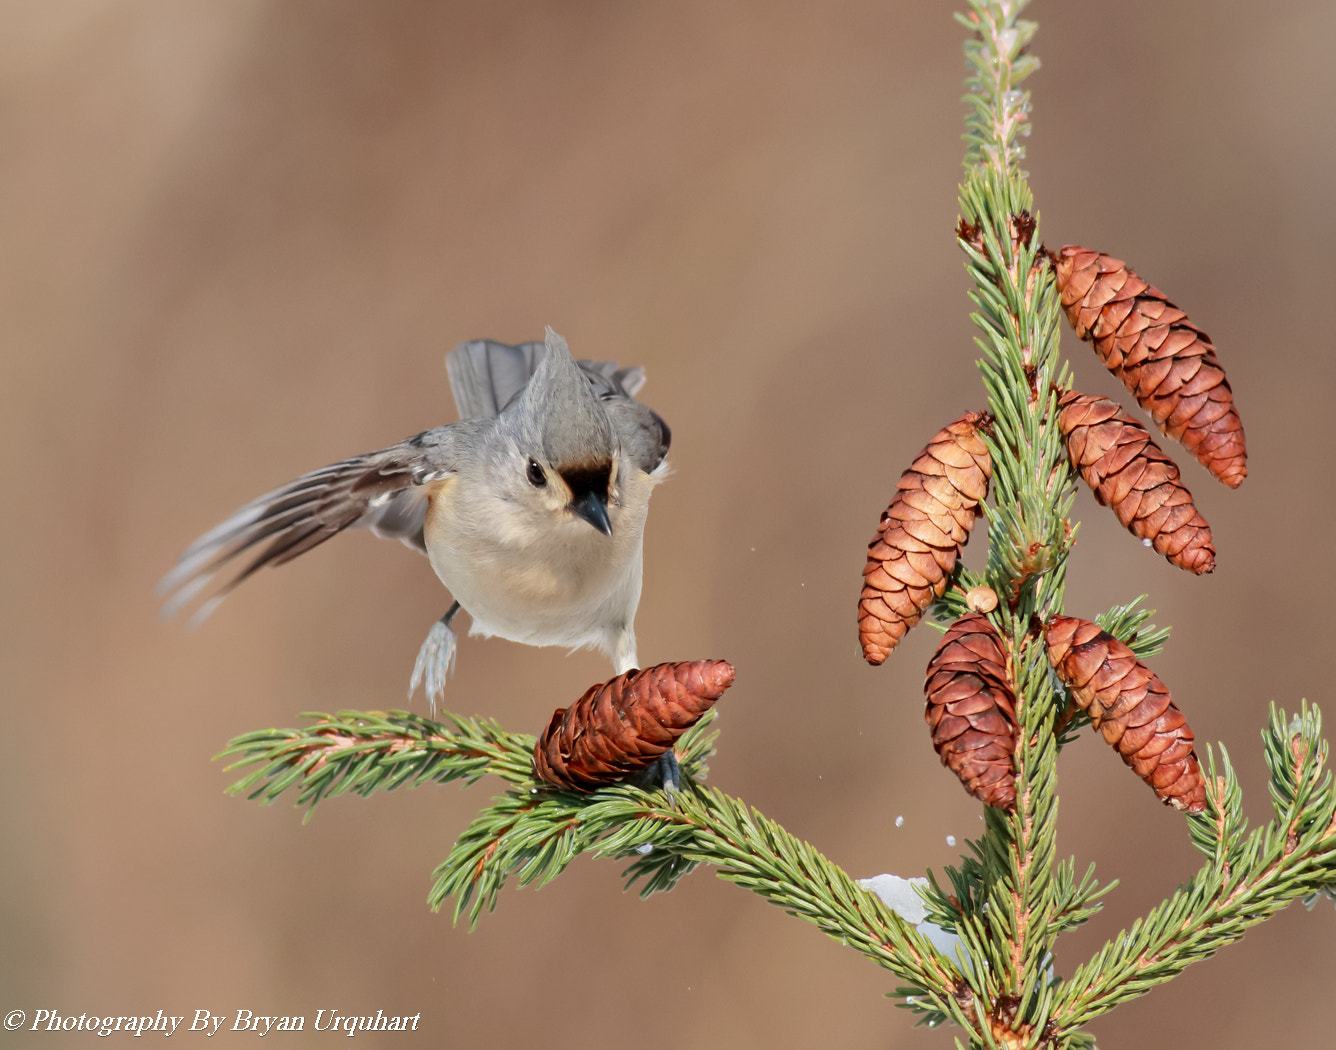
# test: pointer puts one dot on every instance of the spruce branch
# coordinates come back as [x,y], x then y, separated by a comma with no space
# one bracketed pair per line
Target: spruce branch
[367,751]
[1247,879]
[533,832]
[1028,900]
[533,835]
[998,59]
[1017,313]
[363,752]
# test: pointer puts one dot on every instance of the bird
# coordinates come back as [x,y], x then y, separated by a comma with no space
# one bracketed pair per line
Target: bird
[531,509]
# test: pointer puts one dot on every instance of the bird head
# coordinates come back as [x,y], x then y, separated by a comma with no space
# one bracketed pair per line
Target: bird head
[567,444]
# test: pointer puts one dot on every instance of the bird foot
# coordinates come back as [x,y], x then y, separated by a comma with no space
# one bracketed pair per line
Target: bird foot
[435,661]
[664,773]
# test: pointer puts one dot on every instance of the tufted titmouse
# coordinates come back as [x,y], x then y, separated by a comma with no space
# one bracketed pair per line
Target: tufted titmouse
[531,508]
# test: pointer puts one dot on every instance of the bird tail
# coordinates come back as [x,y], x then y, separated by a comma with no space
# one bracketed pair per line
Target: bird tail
[486,376]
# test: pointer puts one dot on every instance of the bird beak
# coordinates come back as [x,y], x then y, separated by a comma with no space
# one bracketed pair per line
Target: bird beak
[593,508]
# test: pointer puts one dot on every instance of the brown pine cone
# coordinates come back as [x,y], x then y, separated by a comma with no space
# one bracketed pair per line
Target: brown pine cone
[1128,472]
[1130,706]
[972,710]
[1168,363]
[922,533]
[624,725]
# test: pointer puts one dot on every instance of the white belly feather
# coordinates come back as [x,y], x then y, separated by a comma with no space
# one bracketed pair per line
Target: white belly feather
[561,584]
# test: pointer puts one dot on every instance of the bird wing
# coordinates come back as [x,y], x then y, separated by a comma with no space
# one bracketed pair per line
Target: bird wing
[384,491]
[641,432]
[610,381]
[486,376]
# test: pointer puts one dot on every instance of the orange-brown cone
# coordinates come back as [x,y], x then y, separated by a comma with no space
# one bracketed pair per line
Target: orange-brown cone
[623,725]
[1116,457]
[921,534]
[972,710]
[1168,363]
[1130,706]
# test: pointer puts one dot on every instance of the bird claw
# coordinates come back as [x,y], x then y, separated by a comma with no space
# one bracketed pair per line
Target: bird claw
[669,771]
[664,773]
[435,661]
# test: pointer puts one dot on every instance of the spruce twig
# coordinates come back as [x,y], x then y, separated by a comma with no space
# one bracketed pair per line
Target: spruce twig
[534,831]
[1248,877]
[367,751]
[362,752]
[1017,313]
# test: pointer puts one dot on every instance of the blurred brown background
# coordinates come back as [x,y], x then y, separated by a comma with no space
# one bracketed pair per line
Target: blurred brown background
[237,240]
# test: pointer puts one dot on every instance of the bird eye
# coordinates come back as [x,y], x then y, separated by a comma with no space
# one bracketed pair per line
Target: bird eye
[536,476]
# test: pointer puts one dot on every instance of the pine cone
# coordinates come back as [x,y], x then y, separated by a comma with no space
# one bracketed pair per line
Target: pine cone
[1168,363]
[972,710]
[1130,706]
[922,533]
[622,726]
[1128,472]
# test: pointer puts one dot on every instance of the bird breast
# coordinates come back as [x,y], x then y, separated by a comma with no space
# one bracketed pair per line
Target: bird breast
[548,582]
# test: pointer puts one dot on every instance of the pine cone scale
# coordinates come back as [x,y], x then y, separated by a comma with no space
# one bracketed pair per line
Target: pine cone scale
[902,570]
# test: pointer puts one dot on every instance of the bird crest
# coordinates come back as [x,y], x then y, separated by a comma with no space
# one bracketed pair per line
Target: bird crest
[572,425]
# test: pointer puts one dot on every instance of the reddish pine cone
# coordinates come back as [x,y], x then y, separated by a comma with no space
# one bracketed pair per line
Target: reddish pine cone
[1128,472]
[1130,706]
[624,725]
[972,710]
[1168,363]
[921,534]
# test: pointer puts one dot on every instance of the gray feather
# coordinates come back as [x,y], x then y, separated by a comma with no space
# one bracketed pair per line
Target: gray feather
[569,418]
[401,517]
[486,376]
[644,436]
[381,490]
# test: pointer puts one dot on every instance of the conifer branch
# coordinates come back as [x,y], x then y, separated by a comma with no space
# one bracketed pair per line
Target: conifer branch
[367,751]
[1017,313]
[1247,879]
[533,832]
